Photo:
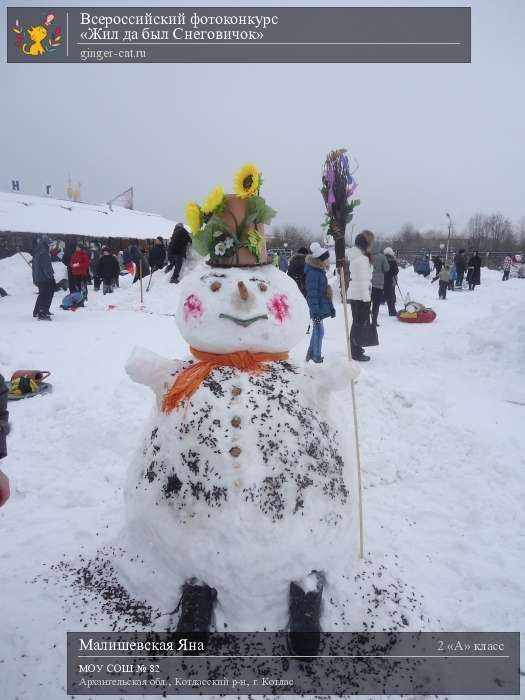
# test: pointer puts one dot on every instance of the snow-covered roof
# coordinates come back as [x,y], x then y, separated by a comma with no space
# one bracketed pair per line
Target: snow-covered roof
[23,213]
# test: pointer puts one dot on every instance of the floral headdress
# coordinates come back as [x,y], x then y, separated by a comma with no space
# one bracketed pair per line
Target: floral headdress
[225,224]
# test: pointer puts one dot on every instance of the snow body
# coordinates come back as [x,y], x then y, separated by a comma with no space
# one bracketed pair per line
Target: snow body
[245,485]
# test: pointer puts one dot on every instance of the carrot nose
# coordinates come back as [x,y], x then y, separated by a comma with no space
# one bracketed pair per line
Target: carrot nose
[243,291]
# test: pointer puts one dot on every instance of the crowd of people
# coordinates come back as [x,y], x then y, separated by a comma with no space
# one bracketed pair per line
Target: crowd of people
[100,267]
[452,275]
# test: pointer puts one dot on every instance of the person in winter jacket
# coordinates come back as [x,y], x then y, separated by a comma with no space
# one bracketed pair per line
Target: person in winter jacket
[474,271]
[108,270]
[296,269]
[444,280]
[177,251]
[283,263]
[94,257]
[139,260]
[453,277]
[79,266]
[390,281]
[422,266]
[318,297]
[361,270]
[460,261]
[157,254]
[44,279]
[380,267]
[4,429]
[438,264]
[69,249]
[507,264]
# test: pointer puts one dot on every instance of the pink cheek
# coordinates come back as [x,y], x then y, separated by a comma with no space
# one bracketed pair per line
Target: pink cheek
[192,307]
[279,307]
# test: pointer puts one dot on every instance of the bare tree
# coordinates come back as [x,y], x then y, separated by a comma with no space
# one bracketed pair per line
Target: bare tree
[520,232]
[294,236]
[500,232]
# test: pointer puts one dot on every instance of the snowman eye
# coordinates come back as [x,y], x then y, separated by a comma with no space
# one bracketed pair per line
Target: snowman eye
[263,286]
[215,286]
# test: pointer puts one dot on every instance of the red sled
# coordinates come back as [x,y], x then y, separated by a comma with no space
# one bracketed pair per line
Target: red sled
[416,313]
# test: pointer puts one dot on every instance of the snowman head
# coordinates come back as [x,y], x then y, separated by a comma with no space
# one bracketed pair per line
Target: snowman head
[231,309]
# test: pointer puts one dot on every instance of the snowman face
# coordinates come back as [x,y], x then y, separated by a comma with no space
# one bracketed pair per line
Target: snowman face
[231,309]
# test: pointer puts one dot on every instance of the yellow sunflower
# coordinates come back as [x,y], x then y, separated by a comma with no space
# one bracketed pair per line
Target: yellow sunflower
[193,217]
[246,181]
[213,200]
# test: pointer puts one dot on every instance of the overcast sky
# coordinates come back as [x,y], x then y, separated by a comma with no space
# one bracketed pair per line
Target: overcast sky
[429,138]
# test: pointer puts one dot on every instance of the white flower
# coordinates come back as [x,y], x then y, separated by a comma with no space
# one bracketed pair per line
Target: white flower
[220,248]
[228,242]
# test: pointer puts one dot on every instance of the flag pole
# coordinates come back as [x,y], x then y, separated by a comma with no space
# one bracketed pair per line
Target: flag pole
[140,275]
[354,410]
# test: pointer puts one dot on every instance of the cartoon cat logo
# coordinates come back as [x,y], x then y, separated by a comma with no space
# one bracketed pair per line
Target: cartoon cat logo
[32,41]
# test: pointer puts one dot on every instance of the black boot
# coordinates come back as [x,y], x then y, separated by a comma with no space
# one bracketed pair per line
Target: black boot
[361,358]
[304,636]
[196,606]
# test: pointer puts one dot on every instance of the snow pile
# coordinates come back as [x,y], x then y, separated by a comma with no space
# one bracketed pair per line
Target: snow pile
[29,214]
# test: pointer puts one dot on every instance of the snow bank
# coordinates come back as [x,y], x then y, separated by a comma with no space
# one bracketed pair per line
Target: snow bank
[29,214]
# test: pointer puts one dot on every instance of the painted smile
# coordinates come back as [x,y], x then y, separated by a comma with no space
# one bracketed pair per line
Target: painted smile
[244,321]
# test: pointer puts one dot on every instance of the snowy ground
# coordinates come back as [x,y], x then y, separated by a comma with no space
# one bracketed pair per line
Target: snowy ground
[441,414]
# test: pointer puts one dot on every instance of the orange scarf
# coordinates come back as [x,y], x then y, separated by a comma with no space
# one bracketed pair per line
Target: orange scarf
[190,379]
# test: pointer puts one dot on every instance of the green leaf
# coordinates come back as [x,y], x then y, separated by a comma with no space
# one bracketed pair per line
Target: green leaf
[257,211]
[201,243]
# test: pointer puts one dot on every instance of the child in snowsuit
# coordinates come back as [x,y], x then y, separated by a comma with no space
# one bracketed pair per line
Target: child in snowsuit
[444,280]
[108,270]
[507,264]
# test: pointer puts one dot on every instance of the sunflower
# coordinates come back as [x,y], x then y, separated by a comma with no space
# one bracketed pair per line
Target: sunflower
[246,181]
[213,201]
[193,216]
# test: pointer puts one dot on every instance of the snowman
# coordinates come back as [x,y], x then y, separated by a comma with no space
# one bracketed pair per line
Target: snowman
[240,491]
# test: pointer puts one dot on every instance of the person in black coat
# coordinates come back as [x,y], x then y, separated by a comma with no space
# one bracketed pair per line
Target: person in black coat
[94,257]
[137,258]
[108,270]
[296,269]
[460,260]
[44,279]
[69,249]
[157,255]
[474,271]
[438,266]
[4,429]
[177,250]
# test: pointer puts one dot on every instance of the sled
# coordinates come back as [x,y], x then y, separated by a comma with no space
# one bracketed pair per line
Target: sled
[44,388]
[416,313]
[73,301]
[28,383]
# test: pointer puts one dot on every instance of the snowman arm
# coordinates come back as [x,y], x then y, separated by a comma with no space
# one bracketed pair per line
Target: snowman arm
[333,376]
[148,368]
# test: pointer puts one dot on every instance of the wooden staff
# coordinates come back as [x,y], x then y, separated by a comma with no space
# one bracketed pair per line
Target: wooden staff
[354,409]
[140,276]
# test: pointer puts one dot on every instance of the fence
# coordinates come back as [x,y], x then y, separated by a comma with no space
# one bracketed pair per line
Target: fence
[492,259]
